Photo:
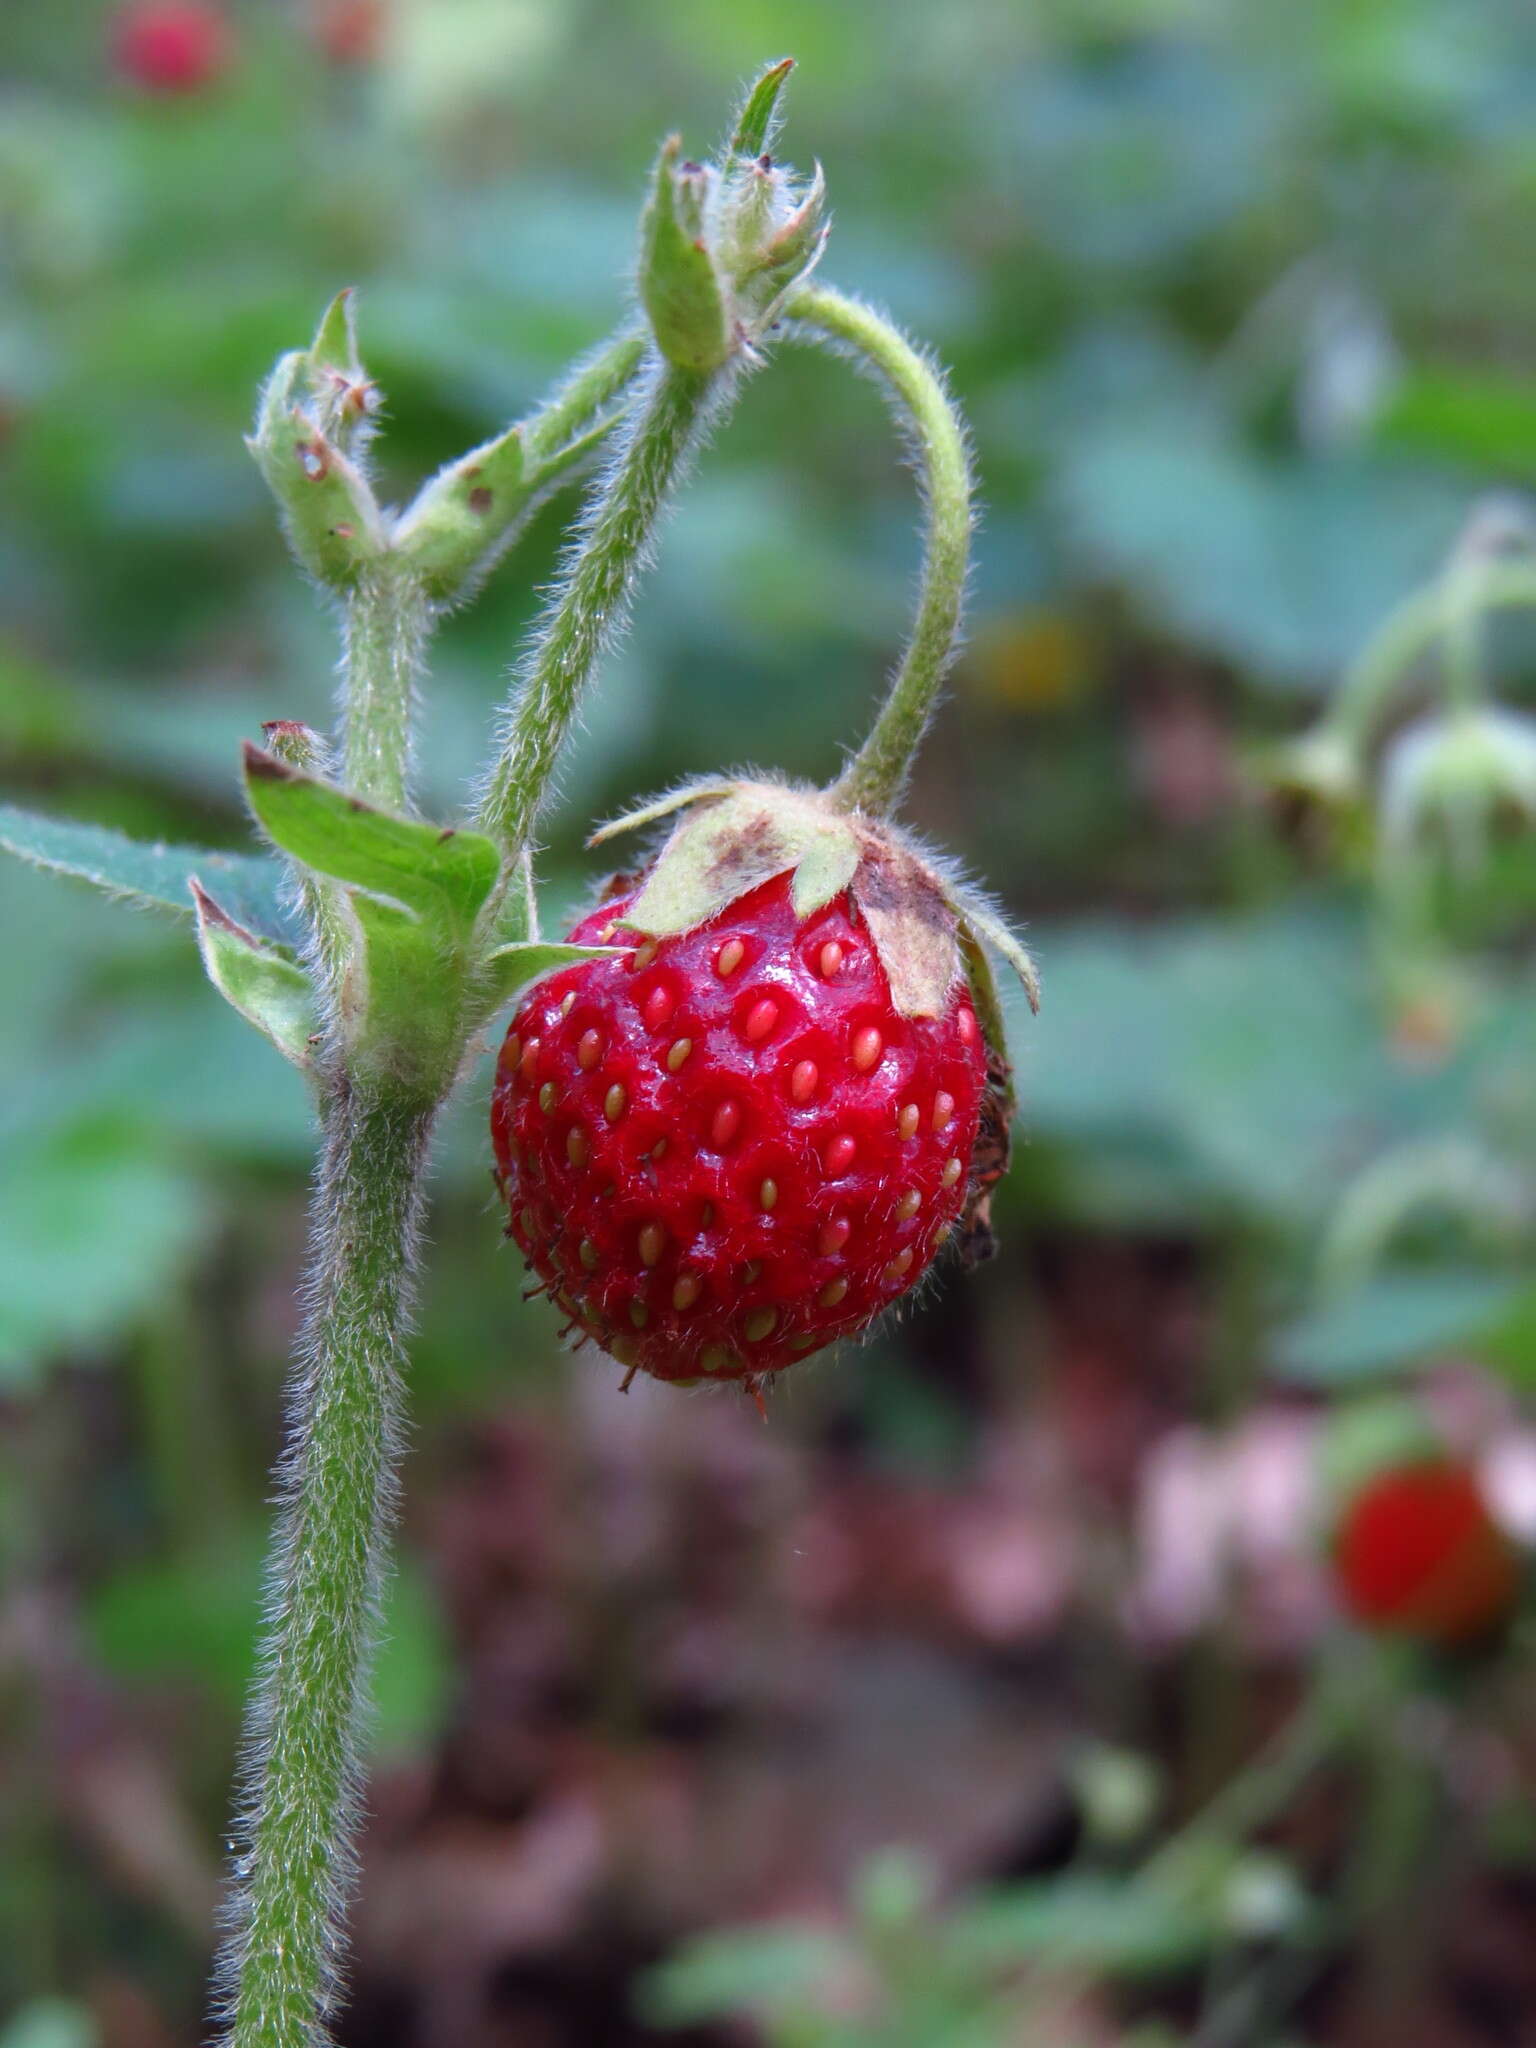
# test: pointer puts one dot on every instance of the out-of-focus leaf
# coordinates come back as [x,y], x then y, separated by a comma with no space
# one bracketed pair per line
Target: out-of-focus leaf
[1473,415]
[1393,1322]
[752,1970]
[1284,566]
[248,884]
[1095,1923]
[50,2023]
[93,1229]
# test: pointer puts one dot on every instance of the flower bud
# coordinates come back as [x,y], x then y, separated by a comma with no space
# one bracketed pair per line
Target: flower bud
[1450,784]
[723,244]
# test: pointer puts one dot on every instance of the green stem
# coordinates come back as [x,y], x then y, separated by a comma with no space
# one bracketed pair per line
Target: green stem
[591,387]
[590,606]
[388,619]
[874,779]
[1438,610]
[282,1956]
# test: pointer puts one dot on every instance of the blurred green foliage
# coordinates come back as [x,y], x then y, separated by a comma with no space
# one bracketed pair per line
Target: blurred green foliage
[1238,301]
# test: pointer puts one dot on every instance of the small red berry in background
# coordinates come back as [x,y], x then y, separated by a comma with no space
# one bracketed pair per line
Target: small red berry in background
[348,31]
[171,46]
[729,1148]
[1419,1554]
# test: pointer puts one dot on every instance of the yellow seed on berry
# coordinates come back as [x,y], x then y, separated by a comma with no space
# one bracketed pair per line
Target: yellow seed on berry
[768,1194]
[528,1063]
[724,1125]
[761,1019]
[653,1241]
[951,1173]
[829,960]
[680,1049]
[900,1265]
[943,1109]
[614,1102]
[639,1314]
[576,1147]
[802,1082]
[642,957]
[589,1051]
[908,1206]
[867,1048]
[833,1236]
[832,1293]
[686,1292]
[729,958]
[586,1251]
[761,1323]
[547,1097]
[907,1122]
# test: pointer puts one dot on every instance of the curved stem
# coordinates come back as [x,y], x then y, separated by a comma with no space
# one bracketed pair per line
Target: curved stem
[388,619]
[876,776]
[1422,619]
[591,604]
[280,1966]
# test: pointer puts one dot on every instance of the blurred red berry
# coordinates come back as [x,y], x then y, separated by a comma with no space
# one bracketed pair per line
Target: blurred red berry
[1418,1554]
[348,31]
[171,46]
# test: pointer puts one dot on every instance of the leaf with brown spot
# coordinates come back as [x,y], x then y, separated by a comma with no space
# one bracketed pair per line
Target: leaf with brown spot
[911,926]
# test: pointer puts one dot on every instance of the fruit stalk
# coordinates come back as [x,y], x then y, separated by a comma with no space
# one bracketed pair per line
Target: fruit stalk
[387,623]
[295,1860]
[874,779]
[670,417]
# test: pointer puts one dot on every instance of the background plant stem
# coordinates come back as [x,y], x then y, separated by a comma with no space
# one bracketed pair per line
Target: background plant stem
[297,1857]
[876,776]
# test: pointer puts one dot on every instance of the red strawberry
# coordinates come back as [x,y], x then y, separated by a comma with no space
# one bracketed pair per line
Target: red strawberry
[1419,1554]
[729,1148]
[171,46]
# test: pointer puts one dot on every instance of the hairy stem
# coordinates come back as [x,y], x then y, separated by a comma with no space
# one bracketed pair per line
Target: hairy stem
[874,779]
[592,601]
[590,389]
[280,1968]
[388,620]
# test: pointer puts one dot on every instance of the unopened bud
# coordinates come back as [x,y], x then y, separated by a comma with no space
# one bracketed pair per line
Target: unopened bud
[682,291]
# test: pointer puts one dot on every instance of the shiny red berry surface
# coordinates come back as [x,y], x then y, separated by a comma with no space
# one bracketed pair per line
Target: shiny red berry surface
[728,1149]
[1419,1554]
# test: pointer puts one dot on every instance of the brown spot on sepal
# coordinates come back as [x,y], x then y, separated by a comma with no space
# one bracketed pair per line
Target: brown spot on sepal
[911,925]
[748,854]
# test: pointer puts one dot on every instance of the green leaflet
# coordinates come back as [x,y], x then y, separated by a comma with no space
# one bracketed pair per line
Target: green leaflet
[249,885]
[759,117]
[441,874]
[264,985]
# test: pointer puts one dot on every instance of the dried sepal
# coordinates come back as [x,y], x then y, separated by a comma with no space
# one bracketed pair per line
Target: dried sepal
[734,842]
[993,1150]
[660,807]
[910,922]
[984,920]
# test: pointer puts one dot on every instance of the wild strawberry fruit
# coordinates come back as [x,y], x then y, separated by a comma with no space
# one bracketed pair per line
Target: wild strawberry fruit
[1419,1554]
[749,1130]
[171,46]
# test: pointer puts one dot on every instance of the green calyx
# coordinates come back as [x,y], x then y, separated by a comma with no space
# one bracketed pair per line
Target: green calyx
[734,836]
[723,243]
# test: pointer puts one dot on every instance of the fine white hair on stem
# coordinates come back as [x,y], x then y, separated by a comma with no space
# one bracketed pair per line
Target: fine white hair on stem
[587,608]
[278,1977]
[937,447]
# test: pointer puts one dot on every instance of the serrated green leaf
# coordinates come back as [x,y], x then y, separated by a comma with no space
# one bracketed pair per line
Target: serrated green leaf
[249,885]
[441,874]
[268,990]
[512,967]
